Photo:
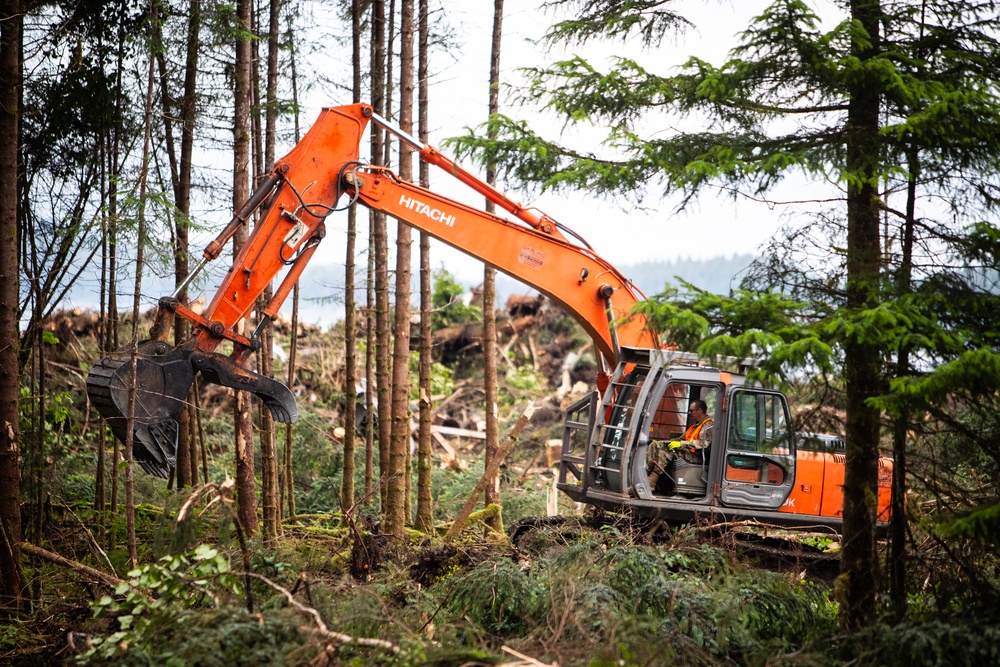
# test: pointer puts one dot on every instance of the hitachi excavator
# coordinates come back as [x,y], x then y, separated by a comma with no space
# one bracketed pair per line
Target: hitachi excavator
[754,466]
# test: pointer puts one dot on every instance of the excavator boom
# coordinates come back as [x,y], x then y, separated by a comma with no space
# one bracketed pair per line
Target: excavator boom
[290,208]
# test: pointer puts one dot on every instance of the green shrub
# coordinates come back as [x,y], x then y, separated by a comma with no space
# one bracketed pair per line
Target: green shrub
[783,613]
[952,642]
[499,598]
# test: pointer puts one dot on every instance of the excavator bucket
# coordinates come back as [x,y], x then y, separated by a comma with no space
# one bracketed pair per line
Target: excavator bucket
[164,375]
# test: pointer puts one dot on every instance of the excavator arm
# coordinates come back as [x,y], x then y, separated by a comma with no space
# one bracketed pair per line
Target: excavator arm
[291,206]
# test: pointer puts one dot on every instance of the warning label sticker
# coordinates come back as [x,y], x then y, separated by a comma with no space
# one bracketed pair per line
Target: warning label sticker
[531,257]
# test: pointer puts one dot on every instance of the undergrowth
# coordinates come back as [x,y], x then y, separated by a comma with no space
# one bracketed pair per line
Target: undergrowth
[567,592]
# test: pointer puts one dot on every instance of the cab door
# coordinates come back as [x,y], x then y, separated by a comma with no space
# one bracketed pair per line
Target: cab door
[759,467]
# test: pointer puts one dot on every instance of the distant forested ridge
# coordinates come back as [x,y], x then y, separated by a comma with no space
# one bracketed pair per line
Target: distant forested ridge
[718,275]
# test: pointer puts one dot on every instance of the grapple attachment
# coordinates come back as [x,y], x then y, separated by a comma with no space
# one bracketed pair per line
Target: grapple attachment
[164,375]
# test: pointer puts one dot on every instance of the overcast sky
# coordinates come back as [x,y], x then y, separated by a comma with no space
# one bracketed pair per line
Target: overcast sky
[714,226]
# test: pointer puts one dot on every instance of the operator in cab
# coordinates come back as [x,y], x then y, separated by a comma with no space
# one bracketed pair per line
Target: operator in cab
[697,437]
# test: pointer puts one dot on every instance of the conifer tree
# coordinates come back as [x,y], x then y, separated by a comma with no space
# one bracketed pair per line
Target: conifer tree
[844,103]
[490,381]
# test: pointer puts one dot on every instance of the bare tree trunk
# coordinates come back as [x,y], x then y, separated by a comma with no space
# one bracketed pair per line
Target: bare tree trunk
[370,366]
[492,495]
[898,522]
[136,311]
[379,233]
[370,340]
[242,420]
[180,176]
[289,479]
[268,450]
[265,423]
[38,473]
[189,114]
[350,307]
[100,476]
[114,171]
[288,492]
[11,577]
[425,512]
[490,472]
[400,438]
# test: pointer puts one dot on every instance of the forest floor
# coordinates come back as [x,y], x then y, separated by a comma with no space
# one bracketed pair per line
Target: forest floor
[561,586]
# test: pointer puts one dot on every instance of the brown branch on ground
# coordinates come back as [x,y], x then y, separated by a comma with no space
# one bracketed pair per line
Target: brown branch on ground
[320,627]
[96,576]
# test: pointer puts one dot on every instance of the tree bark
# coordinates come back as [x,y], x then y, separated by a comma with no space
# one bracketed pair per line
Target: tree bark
[289,484]
[96,576]
[242,420]
[898,522]
[136,311]
[11,577]
[491,470]
[370,342]
[350,307]
[400,435]
[383,382]
[114,169]
[270,503]
[180,176]
[425,515]
[492,495]
[858,584]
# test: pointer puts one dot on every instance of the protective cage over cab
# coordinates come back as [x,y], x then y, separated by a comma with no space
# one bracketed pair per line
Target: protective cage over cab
[747,470]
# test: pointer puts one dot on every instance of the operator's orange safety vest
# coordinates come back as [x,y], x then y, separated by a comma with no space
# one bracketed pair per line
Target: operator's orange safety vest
[695,429]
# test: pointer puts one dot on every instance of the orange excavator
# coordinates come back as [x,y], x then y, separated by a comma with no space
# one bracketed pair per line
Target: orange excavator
[754,466]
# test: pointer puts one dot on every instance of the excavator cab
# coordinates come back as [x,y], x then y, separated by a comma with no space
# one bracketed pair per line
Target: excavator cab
[749,462]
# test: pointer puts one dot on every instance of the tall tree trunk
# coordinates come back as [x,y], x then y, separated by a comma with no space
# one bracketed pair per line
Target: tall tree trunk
[264,420]
[400,438]
[289,487]
[370,341]
[380,235]
[293,346]
[136,307]
[492,494]
[425,514]
[898,522]
[268,450]
[189,114]
[350,308]
[11,578]
[859,582]
[242,419]
[100,476]
[114,170]
[180,176]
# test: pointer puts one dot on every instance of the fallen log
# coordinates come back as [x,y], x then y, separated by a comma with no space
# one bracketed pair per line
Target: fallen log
[90,573]
[488,474]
